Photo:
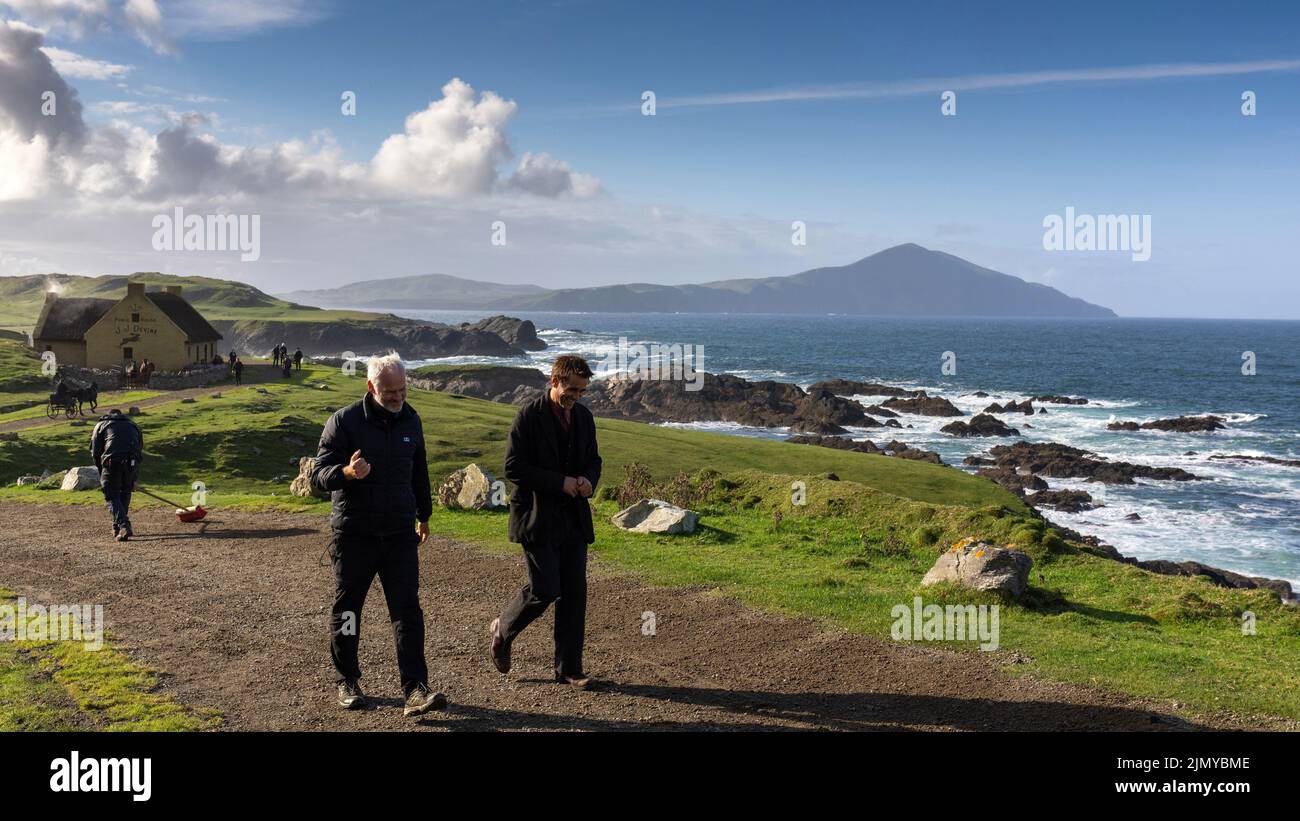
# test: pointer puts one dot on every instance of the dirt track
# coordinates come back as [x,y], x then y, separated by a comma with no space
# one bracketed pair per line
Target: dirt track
[235,612]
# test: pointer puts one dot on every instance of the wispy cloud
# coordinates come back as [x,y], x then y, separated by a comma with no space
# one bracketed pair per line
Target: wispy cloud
[81,67]
[973,82]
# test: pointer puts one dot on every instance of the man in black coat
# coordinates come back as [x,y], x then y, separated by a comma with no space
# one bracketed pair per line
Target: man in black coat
[117,446]
[371,460]
[552,459]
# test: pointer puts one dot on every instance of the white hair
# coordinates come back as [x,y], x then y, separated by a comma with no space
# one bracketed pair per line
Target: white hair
[379,364]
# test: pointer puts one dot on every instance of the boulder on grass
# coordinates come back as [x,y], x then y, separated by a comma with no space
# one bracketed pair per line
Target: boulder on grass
[80,478]
[982,566]
[656,516]
[301,484]
[468,488]
[28,480]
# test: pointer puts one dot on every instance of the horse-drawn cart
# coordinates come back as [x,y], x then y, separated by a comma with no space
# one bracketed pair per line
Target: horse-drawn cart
[70,399]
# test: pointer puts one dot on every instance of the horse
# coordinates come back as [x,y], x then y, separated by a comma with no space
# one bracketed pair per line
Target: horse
[89,395]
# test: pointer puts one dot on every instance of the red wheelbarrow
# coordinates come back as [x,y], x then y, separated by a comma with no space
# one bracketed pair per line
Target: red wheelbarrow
[184,514]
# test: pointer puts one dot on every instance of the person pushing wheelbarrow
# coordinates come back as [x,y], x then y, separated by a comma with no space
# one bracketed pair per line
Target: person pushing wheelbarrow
[117,446]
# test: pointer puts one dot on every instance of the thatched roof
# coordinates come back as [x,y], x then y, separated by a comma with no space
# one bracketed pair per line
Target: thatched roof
[69,319]
[189,320]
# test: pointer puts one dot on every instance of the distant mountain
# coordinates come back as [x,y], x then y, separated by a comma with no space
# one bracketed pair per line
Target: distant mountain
[906,280]
[427,291]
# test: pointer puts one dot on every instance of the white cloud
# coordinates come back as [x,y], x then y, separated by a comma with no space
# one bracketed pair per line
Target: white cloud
[80,67]
[451,148]
[204,19]
[546,176]
[77,18]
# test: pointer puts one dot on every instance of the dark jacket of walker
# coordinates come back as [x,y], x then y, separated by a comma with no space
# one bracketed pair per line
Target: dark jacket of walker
[116,436]
[396,491]
[537,461]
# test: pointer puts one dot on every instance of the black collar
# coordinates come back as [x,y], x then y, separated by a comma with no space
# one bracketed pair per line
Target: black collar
[376,413]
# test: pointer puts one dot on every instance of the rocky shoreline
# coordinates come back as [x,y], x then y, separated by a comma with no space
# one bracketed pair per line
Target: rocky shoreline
[501,336]
[818,415]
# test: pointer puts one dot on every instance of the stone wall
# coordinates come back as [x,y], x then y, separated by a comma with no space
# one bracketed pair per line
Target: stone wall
[111,379]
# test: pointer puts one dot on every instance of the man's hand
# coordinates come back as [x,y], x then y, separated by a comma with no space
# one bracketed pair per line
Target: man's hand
[423,529]
[584,486]
[571,486]
[358,468]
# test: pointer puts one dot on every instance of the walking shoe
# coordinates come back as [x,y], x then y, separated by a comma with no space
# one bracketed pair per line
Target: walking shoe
[500,651]
[350,695]
[581,681]
[420,701]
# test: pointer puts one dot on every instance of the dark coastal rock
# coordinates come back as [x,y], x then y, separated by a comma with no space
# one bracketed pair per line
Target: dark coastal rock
[895,448]
[1063,461]
[495,383]
[894,423]
[722,398]
[884,413]
[847,387]
[1217,576]
[980,425]
[820,428]
[1132,517]
[836,442]
[1060,400]
[1013,481]
[1272,460]
[1183,424]
[904,451]
[1069,501]
[924,406]
[412,338]
[978,394]
[519,332]
[1026,407]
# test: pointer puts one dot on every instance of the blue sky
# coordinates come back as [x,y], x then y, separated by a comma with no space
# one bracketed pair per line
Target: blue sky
[708,187]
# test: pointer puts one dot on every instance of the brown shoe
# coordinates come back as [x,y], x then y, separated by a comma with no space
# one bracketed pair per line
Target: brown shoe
[582,681]
[500,648]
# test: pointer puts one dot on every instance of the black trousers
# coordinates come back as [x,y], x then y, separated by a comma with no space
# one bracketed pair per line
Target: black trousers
[117,480]
[357,559]
[557,572]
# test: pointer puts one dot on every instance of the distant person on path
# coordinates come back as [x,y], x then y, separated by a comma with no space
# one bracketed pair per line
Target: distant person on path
[297,359]
[239,372]
[275,356]
[117,446]
[232,359]
[146,371]
[552,459]
[287,366]
[372,461]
